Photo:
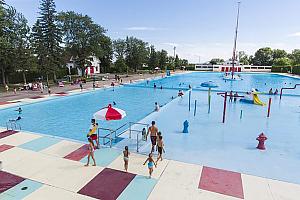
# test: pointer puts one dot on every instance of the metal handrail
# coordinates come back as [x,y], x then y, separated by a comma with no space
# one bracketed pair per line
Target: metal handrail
[112,135]
[13,125]
[291,88]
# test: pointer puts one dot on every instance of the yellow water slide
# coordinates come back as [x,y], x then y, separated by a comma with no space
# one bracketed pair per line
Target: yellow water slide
[257,101]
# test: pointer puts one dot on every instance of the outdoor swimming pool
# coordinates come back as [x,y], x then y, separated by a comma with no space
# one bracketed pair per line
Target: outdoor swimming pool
[228,146]
[70,116]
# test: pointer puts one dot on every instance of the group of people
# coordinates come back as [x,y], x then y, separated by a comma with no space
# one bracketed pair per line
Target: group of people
[273,93]
[157,144]
[233,96]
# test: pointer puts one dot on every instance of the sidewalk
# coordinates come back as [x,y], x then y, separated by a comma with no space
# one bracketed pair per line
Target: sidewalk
[42,167]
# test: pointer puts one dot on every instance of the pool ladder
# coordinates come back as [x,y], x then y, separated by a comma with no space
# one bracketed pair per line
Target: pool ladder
[13,125]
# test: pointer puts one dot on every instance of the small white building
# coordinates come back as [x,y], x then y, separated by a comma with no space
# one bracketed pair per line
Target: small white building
[93,68]
[227,67]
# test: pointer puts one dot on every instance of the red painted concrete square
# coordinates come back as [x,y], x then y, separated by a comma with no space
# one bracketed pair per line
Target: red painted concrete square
[5,147]
[108,184]
[79,153]
[4,103]
[4,134]
[222,181]
[8,181]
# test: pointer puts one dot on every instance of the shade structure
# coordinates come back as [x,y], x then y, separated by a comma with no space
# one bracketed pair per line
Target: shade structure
[110,113]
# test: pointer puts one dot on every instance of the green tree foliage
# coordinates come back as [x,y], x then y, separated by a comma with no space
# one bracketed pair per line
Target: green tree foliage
[243,58]
[84,38]
[216,61]
[283,61]
[120,65]
[279,53]
[263,57]
[153,60]
[162,59]
[119,47]
[49,36]
[177,62]
[136,53]
[295,57]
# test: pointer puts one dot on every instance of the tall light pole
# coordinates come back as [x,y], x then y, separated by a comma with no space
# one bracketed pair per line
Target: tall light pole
[235,39]
[174,56]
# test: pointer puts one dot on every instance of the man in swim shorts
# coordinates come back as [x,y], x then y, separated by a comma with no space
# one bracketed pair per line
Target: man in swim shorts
[153,134]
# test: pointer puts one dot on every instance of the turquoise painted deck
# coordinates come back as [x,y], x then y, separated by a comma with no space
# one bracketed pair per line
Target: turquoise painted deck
[104,156]
[17,192]
[138,189]
[40,143]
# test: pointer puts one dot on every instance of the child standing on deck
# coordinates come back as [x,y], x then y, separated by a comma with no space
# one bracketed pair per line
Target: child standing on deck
[160,148]
[91,152]
[126,158]
[151,164]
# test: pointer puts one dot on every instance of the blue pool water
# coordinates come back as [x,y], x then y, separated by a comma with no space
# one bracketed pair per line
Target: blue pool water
[70,116]
[261,81]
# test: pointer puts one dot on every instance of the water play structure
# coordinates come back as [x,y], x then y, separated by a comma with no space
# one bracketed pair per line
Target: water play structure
[209,84]
[252,98]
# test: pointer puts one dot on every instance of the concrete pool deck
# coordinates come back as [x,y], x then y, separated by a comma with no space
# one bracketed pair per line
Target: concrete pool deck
[46,172]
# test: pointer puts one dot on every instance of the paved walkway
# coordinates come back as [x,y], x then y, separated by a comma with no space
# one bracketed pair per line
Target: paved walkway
[43,167]
[10,96]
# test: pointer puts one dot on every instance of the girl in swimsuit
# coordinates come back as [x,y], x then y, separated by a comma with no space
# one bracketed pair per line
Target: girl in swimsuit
[126,158]
[91,152]
[151,163]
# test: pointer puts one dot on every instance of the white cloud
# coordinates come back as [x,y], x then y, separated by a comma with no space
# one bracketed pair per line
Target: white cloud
[297,34]
[141,28]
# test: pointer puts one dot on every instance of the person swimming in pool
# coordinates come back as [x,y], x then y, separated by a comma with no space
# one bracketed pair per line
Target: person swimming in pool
[19,110]
[153,130]
[151,164]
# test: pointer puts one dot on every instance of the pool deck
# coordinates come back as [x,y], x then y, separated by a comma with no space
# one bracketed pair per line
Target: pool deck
[35,169]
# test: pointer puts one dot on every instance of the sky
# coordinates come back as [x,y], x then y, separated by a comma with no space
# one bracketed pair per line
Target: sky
[200,29]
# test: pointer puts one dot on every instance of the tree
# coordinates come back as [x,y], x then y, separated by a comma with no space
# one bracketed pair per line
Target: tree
[243,58]
[136,53]
[50,37]
[105,54]
[295,57]
[177,62]
[153,60]
[184,62]
[279,53]
[120,65]
[84,38]
[263,57]
[119,47]
[162,59]
[282,62]
[216,61]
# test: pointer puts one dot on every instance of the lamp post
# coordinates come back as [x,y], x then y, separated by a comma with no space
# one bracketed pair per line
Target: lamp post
[174,56]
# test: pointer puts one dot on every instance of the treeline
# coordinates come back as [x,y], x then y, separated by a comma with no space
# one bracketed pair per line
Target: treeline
[55,38]
[267,57]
